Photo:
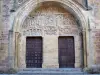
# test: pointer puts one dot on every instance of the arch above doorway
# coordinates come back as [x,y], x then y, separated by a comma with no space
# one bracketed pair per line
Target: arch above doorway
[23,12]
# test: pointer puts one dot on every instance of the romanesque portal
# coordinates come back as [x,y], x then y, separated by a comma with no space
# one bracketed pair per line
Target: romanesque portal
[50,37]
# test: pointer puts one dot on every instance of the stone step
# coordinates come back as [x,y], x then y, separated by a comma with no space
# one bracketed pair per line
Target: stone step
[50,71]
[52,74]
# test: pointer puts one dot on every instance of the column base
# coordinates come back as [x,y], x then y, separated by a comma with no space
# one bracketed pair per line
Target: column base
[78,65]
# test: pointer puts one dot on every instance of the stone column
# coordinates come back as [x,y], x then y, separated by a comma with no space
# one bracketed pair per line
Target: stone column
[11,49]
[17,40]
[85,48]
[50,52]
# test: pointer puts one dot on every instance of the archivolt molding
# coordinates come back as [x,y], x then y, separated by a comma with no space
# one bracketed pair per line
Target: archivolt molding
[24,11]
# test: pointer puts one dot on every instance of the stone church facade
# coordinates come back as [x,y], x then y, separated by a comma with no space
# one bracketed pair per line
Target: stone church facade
[49,33]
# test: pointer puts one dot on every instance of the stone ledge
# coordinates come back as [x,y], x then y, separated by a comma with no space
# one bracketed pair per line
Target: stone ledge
[50,74]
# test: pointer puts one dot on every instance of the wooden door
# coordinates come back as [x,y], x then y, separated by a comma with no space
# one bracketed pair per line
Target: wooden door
[66,52]
[34,52]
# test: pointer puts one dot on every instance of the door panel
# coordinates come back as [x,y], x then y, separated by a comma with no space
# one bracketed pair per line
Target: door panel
[66,52]
[34,52]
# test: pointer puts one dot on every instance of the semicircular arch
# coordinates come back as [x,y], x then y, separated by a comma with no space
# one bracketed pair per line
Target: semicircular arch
[25,10]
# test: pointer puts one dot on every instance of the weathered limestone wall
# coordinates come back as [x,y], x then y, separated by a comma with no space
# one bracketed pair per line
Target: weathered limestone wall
[0,20]
[96,36]
[94,19]
[5,7]
[3,34]
[95,30]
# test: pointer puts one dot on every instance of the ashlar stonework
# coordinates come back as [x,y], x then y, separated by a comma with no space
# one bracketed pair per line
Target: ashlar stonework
[49,19]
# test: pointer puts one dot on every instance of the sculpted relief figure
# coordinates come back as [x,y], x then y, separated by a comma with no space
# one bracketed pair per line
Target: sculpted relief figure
[50,22]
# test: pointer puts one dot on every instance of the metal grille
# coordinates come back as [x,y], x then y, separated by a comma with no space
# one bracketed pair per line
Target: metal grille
[34,52]
[66,52]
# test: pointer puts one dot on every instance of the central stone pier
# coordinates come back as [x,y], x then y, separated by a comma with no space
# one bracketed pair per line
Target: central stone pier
[50,52]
